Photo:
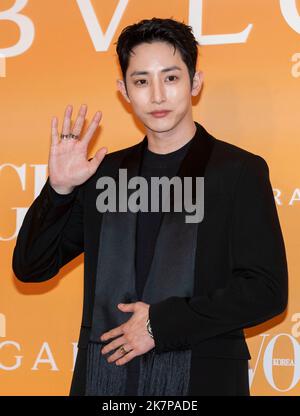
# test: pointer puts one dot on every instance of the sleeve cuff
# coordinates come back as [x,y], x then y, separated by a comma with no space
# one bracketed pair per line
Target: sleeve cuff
[169,324]
[59,199]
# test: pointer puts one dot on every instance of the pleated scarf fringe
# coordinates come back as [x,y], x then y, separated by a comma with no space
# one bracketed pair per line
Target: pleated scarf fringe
[103,378]
[163,374]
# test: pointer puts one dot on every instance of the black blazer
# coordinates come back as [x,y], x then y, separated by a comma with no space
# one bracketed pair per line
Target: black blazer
[241,277]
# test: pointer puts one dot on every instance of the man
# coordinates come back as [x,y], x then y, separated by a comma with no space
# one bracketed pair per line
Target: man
[190,287]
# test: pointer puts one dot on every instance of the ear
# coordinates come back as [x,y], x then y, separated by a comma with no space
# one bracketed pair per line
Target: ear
[122,89]
[197,82]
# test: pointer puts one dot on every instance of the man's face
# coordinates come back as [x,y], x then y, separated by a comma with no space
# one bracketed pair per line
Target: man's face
[153,86]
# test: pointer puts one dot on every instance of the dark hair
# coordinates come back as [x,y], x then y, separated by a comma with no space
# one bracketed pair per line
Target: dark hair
[171,31]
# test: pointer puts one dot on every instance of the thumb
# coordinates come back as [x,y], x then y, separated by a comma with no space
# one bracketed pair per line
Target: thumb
[97,159]
[127,307]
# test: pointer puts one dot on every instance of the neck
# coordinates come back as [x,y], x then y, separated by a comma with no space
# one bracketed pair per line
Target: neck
[171,140]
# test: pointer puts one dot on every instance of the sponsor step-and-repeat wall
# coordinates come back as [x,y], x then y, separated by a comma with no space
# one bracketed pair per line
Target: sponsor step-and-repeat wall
[56,52]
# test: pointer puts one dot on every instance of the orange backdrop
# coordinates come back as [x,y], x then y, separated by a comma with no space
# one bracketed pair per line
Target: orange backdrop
[57,52]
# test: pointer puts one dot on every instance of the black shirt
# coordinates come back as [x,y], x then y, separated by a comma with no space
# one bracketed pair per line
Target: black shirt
[153,164]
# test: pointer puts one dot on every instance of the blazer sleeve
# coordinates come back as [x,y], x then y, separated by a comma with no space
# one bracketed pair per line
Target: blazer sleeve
[50,236]
[258,288]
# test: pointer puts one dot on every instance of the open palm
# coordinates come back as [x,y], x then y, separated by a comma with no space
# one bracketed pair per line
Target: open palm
[68,163]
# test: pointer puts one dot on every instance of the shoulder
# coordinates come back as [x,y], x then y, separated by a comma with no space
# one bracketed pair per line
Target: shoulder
[113,160]
[229,157]
[231,166]
[109,165]
[116,157]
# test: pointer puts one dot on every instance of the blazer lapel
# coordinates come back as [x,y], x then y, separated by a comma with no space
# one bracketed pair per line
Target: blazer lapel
[115,270]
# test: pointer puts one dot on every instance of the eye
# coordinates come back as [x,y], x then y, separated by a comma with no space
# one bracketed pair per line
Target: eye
[136,82]
[172,76]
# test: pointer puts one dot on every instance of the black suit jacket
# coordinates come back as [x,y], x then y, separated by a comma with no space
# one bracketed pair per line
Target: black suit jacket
[241,271]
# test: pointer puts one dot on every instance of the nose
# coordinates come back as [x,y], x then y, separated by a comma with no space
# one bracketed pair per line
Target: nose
[158,92]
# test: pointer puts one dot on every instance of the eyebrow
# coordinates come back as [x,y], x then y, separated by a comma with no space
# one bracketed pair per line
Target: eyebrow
[171,68]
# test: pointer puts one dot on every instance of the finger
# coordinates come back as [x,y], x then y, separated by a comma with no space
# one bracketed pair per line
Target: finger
[54,131]
[112,334]
[113,345]
[92,127]
[80,120]
[67,120]
[117,355]
[126,358]
[127,307]
[97,159]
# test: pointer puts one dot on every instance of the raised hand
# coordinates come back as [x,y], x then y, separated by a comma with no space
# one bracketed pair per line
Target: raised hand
[68,164]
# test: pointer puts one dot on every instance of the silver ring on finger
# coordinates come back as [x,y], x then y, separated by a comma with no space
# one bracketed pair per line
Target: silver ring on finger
[64,136]
[73,136]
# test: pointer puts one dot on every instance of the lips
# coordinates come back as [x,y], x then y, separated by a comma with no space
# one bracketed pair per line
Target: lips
[159,114]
